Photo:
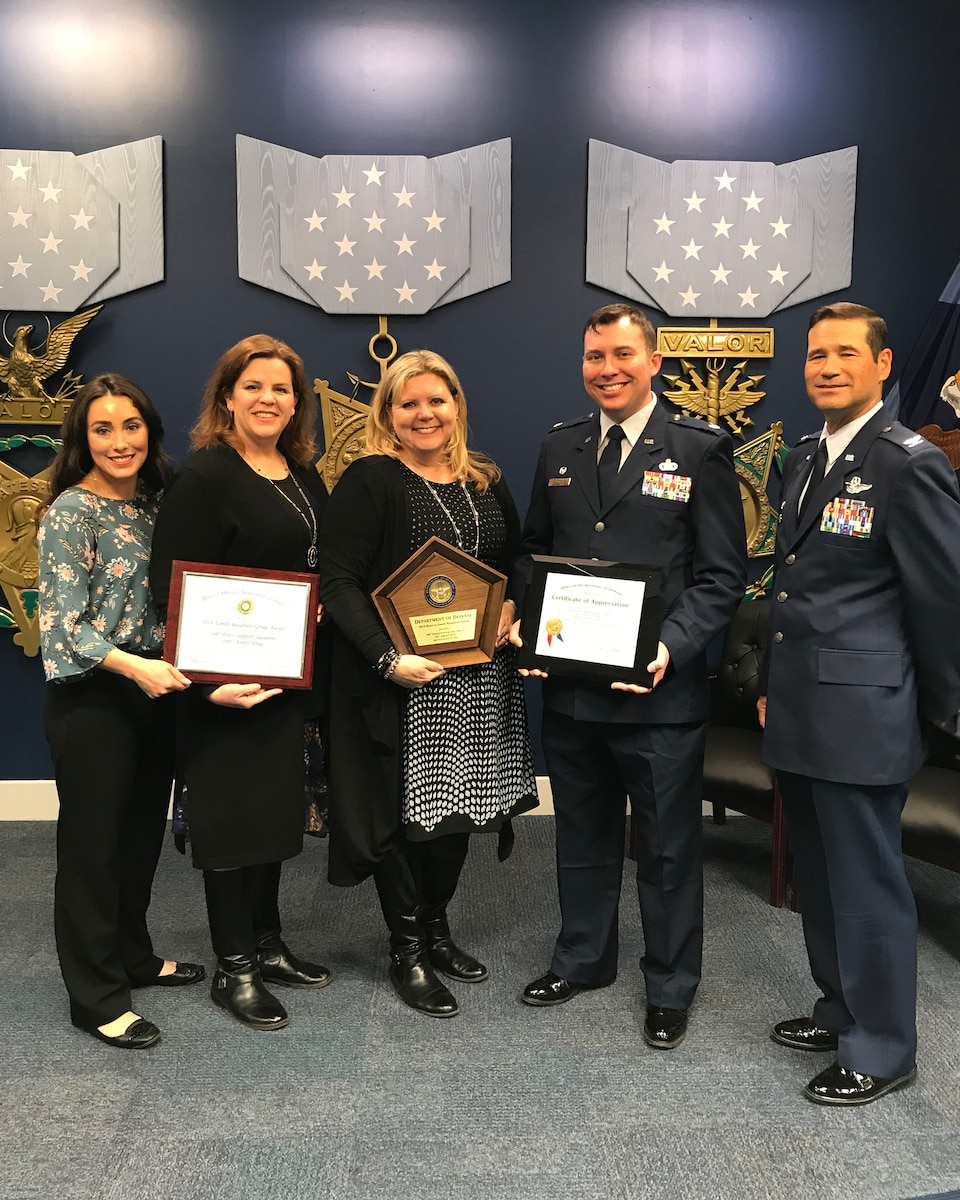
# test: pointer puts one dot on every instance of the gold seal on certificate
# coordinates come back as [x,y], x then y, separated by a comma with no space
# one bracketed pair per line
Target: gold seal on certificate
[592,619]
[442,604]
[241,624]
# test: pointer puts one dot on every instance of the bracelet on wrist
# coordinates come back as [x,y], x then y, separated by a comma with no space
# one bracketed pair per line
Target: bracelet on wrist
[386,664]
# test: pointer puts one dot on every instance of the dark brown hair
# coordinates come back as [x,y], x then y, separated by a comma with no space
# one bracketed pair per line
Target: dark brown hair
[610,314]
[845,311]
[74,461]
[214,426]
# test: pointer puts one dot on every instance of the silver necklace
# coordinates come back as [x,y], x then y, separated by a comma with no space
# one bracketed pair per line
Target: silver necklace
[310,522]
[454,525]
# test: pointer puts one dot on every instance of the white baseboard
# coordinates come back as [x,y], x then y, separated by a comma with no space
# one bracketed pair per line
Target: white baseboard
[36,799]
[28,800]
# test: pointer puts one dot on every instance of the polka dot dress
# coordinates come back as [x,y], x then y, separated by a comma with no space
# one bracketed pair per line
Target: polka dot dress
[466,760]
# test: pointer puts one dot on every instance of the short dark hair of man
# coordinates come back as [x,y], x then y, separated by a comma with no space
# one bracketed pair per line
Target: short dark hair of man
[610,314]
[845,311]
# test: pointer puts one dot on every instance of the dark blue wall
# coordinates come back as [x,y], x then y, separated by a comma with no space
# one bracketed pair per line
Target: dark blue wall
[707,79]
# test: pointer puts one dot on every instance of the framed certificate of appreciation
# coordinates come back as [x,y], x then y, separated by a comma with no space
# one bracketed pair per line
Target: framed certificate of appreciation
[241,624]
[592,619]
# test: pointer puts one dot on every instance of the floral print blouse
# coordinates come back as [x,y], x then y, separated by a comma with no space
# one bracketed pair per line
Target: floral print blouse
[94,593]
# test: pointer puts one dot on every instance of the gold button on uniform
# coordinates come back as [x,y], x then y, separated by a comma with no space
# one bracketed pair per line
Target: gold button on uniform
[781,597]
[778,637]
[599,527]
[790,559]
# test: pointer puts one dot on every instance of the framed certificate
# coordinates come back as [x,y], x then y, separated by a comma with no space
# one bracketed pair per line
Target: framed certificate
[443,604]
[241,624]
[592,619]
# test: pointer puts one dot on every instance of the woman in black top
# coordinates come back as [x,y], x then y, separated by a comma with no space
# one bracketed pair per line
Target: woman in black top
[248,497]
[420,756]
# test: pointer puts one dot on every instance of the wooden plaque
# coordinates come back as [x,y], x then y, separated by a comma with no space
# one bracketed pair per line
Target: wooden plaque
[443,604]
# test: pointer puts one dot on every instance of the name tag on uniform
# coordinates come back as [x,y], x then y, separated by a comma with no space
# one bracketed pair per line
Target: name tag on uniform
[667,486]
[562,482]
[846,517]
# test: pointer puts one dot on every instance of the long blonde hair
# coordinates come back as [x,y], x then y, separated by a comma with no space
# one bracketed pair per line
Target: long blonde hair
[466,465]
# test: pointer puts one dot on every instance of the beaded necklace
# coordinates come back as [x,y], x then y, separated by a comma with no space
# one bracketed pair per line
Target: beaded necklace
[310,522]
[456,528]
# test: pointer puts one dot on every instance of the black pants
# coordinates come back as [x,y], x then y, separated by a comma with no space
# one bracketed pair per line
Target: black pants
[112,751]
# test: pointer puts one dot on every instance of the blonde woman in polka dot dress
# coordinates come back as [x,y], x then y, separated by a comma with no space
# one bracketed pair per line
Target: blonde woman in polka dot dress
[420,756]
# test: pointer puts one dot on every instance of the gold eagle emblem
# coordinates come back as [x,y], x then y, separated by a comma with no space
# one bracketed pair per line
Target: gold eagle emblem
[25,371]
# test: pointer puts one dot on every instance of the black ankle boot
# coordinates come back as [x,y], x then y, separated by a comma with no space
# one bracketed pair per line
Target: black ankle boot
[238,987]
[446,955]
[410,970]
[414,980]
[278,964]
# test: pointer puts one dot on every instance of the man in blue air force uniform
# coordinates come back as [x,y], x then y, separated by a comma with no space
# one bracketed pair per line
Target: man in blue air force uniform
[634,483]
[862,643]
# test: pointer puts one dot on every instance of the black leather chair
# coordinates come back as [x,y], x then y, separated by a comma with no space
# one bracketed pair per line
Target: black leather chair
[931,816]
[733,775]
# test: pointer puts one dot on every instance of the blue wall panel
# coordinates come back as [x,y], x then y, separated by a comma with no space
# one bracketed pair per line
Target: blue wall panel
[686,79]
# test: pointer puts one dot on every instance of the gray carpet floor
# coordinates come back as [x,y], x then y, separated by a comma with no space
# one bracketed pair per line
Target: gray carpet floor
[360,1098]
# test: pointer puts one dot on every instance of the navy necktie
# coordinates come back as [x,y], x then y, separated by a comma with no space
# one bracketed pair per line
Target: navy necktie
[816,476]
[609,465]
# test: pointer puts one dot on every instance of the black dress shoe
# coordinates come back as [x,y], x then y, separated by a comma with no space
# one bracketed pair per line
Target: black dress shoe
[665,1028]
[802,1033]
[837,1085]
[137,1036]
[185,972]
[550,989]
[278,964]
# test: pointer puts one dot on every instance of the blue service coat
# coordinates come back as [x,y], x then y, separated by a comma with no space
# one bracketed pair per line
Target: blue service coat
[863,609]
[699,541]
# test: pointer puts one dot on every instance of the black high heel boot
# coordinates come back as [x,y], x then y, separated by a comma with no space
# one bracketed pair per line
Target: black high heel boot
[277,962]
[441,862]
[411,972]
[237,985]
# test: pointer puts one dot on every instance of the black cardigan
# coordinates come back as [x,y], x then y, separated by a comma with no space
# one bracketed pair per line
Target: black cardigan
[365,537]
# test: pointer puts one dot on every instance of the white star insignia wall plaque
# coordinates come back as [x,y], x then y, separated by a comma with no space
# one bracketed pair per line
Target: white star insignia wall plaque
[77,229]
[719,238]
[383,234]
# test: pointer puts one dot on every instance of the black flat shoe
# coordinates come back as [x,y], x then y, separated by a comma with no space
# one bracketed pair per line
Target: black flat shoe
[278,964]
[664,1028]
[138,1035]
[802,1033]
[186,972]
[837,1085]
[550,989]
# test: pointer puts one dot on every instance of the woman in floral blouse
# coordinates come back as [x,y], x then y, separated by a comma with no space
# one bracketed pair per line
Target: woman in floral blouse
[108,711]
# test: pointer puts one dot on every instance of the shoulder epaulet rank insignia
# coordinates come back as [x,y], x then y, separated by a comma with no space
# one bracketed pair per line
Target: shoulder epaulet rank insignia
[905,438]
[696,423]
[569,424]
